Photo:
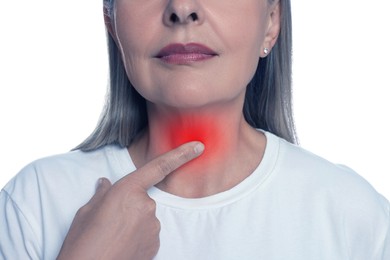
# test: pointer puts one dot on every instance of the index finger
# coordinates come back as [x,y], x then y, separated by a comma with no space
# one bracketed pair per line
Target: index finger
[157,169]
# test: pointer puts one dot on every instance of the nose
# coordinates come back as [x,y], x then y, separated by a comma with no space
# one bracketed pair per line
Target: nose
[181,12]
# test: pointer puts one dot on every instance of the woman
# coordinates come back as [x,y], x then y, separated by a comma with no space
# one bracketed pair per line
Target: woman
[200,123]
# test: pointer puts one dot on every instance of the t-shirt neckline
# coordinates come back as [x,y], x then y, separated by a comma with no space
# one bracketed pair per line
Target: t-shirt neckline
[253,182]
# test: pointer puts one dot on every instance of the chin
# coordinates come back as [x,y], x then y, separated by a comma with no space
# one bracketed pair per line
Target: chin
[195,95]
[189,102]
[187,97]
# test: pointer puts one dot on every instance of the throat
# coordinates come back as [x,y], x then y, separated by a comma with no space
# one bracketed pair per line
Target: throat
[229,155]
[206,174]
[201,128]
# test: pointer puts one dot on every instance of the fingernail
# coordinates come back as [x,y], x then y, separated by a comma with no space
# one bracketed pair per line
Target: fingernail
[199,148]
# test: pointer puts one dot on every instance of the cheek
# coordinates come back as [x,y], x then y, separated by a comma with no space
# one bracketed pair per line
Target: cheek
[133,56]
[135,33]
[243,43]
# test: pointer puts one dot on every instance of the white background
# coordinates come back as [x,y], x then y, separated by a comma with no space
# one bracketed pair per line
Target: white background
[53,75]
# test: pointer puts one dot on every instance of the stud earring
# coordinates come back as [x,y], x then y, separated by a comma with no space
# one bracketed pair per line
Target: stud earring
[266,51]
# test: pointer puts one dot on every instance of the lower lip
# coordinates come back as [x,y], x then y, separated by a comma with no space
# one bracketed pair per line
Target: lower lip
[186,58]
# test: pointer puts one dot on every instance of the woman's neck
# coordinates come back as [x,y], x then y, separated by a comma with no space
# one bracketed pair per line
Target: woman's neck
[232,148]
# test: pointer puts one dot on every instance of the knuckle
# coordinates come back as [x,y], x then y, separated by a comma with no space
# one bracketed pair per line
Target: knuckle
[156,225]
[150,206]
[164,166]
[83,210]
[184,154]
[144,208]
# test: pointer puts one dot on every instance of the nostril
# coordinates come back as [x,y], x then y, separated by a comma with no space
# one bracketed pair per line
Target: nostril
[194,16]
[174,18]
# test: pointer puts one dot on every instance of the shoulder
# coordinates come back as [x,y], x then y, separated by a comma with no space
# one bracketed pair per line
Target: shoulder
[68,170]
[325,182]
[315,170]
[338,194]
[51,190]
[76,159]
[315,176]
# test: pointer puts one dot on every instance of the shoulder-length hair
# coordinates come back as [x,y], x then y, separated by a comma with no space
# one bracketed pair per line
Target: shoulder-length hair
[268,100]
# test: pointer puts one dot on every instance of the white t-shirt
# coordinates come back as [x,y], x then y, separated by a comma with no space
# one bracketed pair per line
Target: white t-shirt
[295,205]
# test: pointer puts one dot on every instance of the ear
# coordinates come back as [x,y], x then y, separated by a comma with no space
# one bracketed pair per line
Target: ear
[273,29]
[108,22]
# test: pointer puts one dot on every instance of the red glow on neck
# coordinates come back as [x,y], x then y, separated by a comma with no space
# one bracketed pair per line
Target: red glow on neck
[196,128]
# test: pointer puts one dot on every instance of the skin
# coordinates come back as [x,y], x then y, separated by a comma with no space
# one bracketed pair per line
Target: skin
[119,221]
[192,92]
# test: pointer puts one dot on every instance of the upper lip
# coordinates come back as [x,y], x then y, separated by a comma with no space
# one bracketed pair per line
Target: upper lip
[179,48]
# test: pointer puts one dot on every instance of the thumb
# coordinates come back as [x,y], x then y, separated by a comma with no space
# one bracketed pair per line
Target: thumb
[102,187]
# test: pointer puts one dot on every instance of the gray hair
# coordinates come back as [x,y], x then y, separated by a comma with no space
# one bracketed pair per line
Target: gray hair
[108,7]
[268,99]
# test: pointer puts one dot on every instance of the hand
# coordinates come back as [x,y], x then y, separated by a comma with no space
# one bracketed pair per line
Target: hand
[119,221]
